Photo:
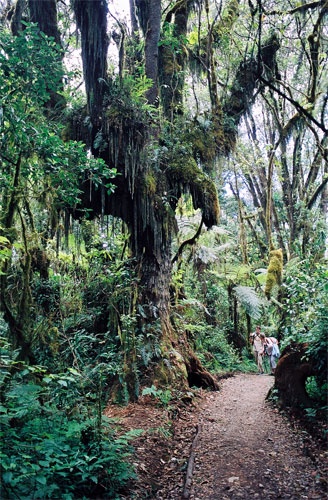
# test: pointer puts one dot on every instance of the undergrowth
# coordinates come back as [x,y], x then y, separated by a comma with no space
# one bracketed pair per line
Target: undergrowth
[55,442]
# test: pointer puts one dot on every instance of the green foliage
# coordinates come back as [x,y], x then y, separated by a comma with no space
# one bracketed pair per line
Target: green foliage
[30,69]
[315,391]
[215,351]
[306,305]
[164,396]
[274,276]
[54,444]
[5,251]
[35,158]
[54,412]
[250,300]
[171,40]
[126,98]
[208,340]
[318,343]
[305,291]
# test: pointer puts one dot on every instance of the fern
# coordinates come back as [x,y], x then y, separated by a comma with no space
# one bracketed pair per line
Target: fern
[206,255]
[54,450]
[249,299]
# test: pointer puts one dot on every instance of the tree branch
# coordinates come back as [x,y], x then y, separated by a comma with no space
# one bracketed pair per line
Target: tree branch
[191,241]
[315,195]
[300,108]
[300,8]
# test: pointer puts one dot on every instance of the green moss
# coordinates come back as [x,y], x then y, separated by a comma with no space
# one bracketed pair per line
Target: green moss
[275,268]
[10,234]
[226,21]
[208,139]
[150,184]
[171,371]
[170,63]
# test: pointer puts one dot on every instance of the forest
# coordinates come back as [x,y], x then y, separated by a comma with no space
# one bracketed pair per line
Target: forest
[163,190]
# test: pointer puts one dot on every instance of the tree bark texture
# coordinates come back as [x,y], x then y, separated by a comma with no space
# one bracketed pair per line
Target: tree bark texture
[91,18]
[152,36]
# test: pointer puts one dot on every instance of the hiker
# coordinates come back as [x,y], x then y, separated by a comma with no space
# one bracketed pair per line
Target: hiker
[271,349]
[258,348]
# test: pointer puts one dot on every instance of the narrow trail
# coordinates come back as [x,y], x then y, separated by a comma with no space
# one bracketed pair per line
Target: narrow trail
[246,449]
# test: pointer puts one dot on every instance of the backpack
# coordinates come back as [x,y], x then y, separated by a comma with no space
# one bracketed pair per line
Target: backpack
[275,350]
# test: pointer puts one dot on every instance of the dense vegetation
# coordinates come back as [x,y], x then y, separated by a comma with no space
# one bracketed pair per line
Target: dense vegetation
[150,221]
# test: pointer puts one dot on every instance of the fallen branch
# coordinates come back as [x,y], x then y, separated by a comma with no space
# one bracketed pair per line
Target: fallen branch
[190,468]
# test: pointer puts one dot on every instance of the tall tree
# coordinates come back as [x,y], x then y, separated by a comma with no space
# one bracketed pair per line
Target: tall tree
[146,197]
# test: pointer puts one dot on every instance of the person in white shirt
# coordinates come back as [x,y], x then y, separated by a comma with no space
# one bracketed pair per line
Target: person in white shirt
[258,348]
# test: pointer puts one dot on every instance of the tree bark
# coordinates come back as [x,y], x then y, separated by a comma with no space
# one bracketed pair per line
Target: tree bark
[91,18]
[291,374]
[151,48]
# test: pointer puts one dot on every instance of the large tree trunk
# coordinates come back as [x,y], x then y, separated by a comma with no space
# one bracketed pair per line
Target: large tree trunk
[172,62]
[152,35]
[141,201]
[91,18]
[291,373]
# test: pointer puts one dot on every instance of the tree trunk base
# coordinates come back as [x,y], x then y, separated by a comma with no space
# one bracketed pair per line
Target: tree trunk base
[198,376]
[291,373]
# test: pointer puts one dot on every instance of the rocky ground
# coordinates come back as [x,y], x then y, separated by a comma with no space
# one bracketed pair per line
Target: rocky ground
[229,444]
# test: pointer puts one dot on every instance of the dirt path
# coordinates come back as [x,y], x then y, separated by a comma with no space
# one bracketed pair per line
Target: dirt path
[247,450]
[244,448]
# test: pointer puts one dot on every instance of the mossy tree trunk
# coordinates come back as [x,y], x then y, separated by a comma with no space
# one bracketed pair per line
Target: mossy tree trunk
[141,200]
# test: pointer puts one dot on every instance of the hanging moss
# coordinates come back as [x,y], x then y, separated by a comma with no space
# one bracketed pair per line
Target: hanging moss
[149,184]
[226,21]
[269,51]
[77,125]
[207,140]
[275,268]
[241,95]
[185,177]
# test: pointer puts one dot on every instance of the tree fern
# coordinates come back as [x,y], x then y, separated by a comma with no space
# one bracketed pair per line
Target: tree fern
[249,299]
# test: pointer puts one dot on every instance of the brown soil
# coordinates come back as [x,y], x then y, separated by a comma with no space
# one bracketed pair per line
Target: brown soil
[229,444]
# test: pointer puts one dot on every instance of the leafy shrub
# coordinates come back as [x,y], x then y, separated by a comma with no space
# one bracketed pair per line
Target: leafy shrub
[164,396]
[215,351]
[56,446]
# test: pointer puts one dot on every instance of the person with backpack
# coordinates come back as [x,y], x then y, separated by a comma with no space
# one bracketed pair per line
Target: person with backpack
[271,349]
